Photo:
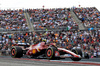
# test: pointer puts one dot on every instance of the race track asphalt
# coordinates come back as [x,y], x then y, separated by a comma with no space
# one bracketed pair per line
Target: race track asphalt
[8,61]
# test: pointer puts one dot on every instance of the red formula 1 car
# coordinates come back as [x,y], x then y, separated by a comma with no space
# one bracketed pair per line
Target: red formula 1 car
[49,51]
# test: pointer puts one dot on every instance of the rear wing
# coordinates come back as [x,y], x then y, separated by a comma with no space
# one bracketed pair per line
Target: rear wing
[21,44]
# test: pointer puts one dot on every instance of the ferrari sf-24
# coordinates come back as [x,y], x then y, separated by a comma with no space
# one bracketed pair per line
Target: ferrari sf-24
[49,51]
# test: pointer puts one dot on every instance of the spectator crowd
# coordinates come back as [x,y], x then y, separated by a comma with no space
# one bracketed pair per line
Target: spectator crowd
[90,16]
[89,41]
[12,20]
[59,18]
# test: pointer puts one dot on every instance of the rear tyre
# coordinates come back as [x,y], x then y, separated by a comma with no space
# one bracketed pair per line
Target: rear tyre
[50,52]
[78,52]
[16,52]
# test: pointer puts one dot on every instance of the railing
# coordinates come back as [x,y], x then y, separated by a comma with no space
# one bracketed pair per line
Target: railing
[4,52]
[1,30]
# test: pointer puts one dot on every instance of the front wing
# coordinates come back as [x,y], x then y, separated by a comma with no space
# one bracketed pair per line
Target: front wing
[69,54]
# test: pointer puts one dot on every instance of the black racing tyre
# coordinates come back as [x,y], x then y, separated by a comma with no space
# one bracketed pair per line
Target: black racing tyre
[78,52]
[86,55]
[50,52]
[16,52]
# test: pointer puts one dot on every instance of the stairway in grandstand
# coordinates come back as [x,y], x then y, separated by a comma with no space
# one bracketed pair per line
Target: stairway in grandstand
[81,27]
[28,21]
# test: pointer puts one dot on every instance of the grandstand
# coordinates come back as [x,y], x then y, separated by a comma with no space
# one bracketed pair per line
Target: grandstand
[12,20]
[90,17]
[52,19]
[65,27]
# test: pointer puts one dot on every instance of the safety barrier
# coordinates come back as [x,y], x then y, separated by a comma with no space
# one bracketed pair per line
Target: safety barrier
[4,52]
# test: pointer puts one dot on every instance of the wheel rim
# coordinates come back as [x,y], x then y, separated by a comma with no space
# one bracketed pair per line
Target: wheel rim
[13,52]
[49,53]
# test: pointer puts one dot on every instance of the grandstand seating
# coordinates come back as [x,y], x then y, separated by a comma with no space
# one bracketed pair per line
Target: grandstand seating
[52,19]
[12,20]
[90,16]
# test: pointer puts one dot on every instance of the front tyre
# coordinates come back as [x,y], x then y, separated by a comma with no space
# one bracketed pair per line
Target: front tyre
[16,52]
[86,55]
[78,52]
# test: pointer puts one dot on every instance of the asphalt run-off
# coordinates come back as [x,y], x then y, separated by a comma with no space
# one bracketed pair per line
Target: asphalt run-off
[8,61]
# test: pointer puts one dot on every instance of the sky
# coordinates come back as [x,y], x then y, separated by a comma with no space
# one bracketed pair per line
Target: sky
[26,4]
